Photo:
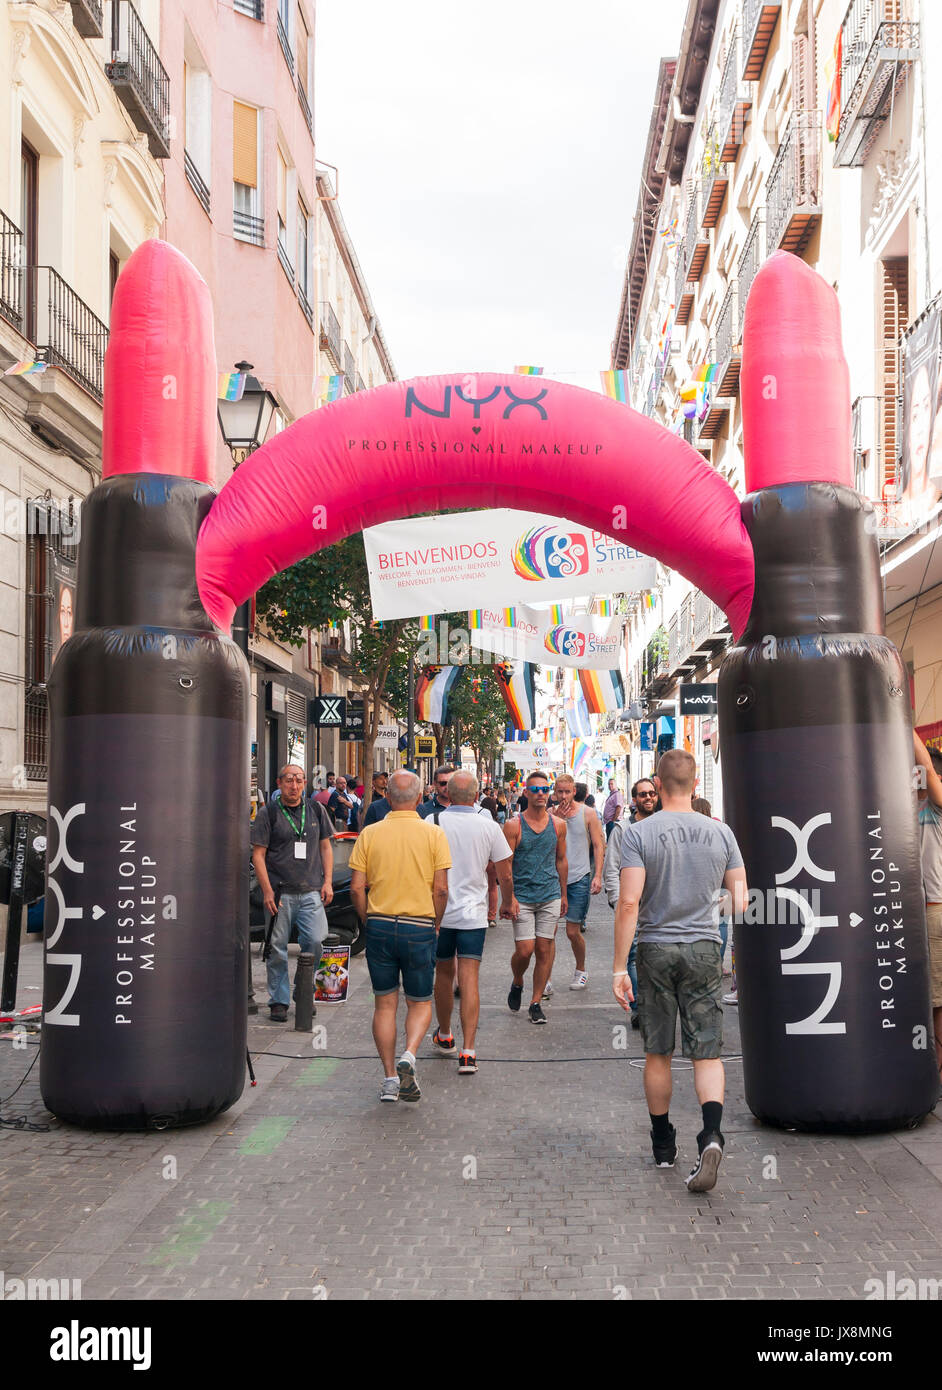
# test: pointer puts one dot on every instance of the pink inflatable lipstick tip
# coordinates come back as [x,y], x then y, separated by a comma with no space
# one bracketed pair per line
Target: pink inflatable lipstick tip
[160,369]
[795,383]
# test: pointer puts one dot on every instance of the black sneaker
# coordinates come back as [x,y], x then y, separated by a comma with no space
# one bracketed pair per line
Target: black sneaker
[447,1046]
[279,1013]
[537,1015]
[514,998]
[702,1178]
[666,1151]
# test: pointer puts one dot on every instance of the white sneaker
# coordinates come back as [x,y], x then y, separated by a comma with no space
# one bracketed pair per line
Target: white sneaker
[548,991]
[390,1088]
[732,997]
[579,980]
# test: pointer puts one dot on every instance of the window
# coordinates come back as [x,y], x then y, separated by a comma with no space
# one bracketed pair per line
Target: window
[114,270]
[283,242]
[197,121]
[304,262]
[51,555]
[29,225]
[247,224]
[893,320]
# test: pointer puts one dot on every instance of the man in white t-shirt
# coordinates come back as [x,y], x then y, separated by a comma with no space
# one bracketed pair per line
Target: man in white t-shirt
[475,841]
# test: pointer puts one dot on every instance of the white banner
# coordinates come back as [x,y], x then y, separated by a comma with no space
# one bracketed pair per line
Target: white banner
[586,641]
[443,564]
[531,755]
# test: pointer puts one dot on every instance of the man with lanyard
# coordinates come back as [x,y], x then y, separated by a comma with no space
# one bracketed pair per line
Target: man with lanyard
[540,870]
[294,863]
[584,833]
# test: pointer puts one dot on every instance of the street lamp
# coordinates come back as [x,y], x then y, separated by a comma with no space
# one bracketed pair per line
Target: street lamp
[245,423]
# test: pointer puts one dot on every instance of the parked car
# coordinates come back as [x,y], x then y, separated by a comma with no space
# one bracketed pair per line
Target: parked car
[342,920]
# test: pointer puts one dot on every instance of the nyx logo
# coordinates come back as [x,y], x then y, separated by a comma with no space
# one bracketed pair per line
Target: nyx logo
[413,402]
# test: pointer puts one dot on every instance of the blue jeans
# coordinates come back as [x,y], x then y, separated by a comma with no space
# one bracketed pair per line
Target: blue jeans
[307,911]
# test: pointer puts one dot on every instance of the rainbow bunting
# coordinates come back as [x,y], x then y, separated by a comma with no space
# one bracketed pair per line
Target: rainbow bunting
[706,371]
[230,386]
[474,619]
[377,624]
[334,625]
[670,229]
[25,368]
[615,385]
[427,624]
[327,389]
[528,371]
[556,612]
[510,617]
[603,606]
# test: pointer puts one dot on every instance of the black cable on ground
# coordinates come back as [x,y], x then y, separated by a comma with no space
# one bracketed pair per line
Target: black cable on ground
[21,1122]
[490,1061]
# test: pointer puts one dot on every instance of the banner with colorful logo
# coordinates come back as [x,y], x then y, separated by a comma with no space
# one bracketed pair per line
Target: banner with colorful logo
[541,636]
[439,564]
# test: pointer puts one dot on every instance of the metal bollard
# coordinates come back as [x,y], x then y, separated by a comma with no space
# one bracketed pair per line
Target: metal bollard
[304,993]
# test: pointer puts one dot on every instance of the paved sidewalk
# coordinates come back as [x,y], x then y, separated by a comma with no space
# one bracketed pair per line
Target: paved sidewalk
[532,1179]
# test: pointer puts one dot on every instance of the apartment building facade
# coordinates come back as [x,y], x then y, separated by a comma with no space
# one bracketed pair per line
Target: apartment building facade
[744,167]
[87,124]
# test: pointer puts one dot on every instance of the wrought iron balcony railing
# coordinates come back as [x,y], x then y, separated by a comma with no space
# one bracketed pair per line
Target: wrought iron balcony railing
[254,9]
[139,77]
[734,103]
[196,181]
[696,242]
[753,254]
[877,436]
[793,192]
[87,18]
[306,306]
[758,26]
[305,109]
[12,279]
[879,44]
[728,343]
[283,41]
[247,227]
[68,334]
[683,296]
[349,370]
[330,336]
[715,181]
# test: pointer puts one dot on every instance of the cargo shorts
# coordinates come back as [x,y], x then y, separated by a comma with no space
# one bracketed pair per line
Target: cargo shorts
[685,979]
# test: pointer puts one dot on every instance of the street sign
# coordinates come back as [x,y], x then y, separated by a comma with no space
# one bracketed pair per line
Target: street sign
[351,730]
[387,736]
[329,711]
[424,746]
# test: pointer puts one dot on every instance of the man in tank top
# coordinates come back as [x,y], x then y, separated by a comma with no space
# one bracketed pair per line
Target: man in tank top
[583,839]
[540,870]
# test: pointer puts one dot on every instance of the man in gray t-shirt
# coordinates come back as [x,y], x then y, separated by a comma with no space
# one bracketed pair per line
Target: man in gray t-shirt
[675,867]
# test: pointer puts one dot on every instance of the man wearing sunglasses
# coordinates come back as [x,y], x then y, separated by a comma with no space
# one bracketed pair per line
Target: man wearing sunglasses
[439,800]
[646,798]
[540,871]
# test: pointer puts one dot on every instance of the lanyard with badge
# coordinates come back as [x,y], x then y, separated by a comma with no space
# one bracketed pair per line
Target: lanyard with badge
[300,845]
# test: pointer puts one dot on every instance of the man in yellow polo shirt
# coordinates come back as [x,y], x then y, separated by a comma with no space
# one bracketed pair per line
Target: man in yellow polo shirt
[399,887]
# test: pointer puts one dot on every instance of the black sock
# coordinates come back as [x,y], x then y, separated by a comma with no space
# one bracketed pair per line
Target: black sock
[660,1127]
[712,1116]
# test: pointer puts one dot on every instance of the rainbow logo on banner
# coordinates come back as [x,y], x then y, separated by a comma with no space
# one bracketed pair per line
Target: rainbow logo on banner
[327,389]
[26,368]
[528,371]
[565,641]
[615,386]
[230,386]
[545,553]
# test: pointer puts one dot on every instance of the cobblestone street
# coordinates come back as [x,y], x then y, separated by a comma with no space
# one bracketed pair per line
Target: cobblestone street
[531,1180]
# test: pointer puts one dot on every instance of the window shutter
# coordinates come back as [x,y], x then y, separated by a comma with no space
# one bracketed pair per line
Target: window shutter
[894,320]
[801,73]
[245,144]
[296,709]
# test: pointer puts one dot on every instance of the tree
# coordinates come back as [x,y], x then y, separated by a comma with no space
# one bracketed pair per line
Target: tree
[333,585]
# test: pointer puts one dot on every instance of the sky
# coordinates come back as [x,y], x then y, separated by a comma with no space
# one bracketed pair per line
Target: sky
[489,157]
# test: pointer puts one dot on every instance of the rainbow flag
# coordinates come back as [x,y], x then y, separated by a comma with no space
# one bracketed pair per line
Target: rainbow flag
[706,372]
[615,385]
[427,624]
[474,619]
[604,691]
[578,756]
[510,617]
[230,386]
[670,229]
[334,625]
[378,624]
[528,371]
[556,612]
[832,73]
[603,607]
[650,601]
[26,368]
[327,389]
[432,690]
[576,713]
[516,685]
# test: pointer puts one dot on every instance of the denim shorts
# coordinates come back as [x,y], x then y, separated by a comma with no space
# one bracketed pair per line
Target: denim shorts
[577,895]
[396,945]
[467,943]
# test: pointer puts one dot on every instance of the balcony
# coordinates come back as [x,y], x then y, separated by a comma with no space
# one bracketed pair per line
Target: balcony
[878,48]
[655,673]
[335,652]
[286,265]
[753,254]
[306,306]
[758,26]
[11,272]
[67,333]
[246,227]
[253,9]
[349,371]
[139,78]
[330,336]
[728,344]
[734,105]
[196,181]
[683,293]
[793,192]
[87,18]
[305,108]
[714,185]
[876,433]
[696,245]
[283,42]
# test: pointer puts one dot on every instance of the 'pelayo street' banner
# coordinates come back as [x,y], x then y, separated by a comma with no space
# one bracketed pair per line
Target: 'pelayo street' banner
[530,634]
[441,564]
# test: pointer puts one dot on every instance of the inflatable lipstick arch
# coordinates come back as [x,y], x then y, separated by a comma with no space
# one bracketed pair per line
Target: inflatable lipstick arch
[145,1000]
